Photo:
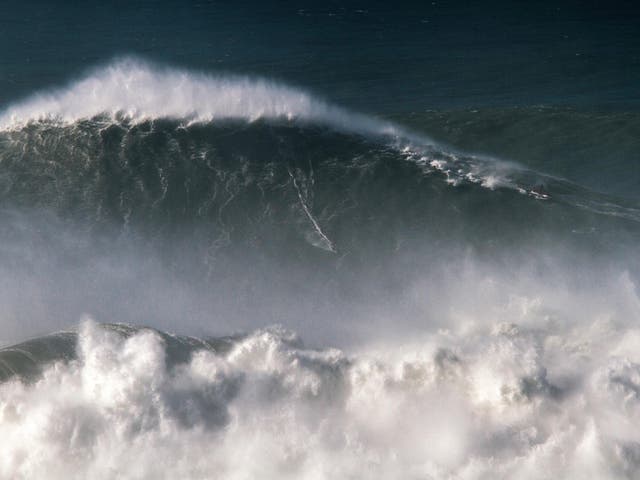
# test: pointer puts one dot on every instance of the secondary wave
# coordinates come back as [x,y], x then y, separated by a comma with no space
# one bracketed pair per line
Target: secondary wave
[501,402]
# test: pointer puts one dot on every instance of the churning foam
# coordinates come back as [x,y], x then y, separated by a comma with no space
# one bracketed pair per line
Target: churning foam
[501,402]
[139,91]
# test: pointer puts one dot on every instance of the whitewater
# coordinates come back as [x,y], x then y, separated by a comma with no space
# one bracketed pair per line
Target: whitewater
[139,90]
[248,281]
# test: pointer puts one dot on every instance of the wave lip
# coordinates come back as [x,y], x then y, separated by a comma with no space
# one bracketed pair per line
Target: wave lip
[139,90]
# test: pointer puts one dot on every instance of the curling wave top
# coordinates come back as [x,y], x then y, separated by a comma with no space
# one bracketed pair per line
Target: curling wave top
[138,90]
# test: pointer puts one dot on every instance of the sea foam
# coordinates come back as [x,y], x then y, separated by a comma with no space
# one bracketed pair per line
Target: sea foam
[497,401]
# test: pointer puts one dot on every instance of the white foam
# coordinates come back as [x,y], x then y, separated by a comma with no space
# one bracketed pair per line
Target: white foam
[139,91]
[497,401]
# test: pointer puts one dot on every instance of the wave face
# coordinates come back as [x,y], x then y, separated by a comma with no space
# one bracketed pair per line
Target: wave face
[594,148]
[477,318]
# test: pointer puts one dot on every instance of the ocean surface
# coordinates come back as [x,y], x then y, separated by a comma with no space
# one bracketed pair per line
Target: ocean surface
[315,240]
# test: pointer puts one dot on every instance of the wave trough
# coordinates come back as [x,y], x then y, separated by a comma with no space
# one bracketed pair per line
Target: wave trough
[507,402]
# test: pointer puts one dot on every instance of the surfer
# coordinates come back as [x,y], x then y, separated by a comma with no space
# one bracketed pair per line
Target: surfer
[539,191]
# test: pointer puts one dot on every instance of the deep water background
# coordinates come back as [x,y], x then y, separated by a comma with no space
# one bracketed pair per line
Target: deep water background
[376,57]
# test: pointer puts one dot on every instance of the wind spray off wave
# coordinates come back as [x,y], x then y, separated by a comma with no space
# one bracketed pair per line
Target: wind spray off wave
[139,91]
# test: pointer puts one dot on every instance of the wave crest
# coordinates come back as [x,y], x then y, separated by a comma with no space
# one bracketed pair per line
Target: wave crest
[138,90]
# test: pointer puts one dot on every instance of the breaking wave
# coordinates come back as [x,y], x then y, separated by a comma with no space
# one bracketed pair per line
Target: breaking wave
[501,402]
[485,312]
[139,91]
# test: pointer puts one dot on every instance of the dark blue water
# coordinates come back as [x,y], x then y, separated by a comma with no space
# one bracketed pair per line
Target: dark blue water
[379,57]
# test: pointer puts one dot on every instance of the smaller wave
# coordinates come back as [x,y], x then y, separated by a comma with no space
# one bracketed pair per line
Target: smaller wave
[501,402]
[27,360]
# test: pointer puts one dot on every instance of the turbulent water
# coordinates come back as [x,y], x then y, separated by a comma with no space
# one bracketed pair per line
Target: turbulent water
[363,300]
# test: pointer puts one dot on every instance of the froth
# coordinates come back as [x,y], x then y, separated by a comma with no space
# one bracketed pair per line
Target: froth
[138,90]
[502,401]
